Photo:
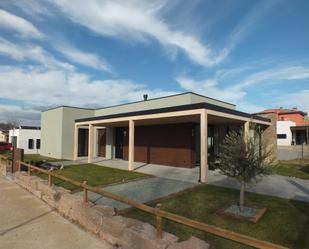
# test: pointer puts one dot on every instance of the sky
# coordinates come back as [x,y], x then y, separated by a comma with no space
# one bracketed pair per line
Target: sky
[254,54]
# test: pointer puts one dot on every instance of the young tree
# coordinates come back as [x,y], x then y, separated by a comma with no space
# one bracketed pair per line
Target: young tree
[244,158]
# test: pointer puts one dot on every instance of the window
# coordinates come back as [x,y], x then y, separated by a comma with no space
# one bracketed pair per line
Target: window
[281,136]
[30,144]
[38,144]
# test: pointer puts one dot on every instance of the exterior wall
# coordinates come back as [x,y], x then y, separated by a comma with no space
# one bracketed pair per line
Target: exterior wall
[23,135]
[2,137]
[295,117]
[284,127]
[68,123]
[163,144]
[51,133]
[293,152]
[58,131]
[269,136]
[176,100]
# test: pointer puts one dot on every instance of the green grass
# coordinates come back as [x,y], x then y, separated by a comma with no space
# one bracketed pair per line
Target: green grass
[296,168]
[39,158]
[285,222]
[94,175]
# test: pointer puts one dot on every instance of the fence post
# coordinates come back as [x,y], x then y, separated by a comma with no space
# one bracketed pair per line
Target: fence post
[29,170]
[159,222]
[50,179]
[85,192]
[19,165]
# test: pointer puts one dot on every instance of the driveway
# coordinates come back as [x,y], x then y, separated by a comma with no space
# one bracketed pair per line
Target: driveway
[27,222]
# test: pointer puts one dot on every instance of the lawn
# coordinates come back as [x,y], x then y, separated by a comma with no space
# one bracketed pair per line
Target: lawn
[296,168]
[285,222]
[94,175]
[39,158]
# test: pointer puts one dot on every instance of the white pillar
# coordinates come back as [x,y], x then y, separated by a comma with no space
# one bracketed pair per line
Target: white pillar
[204,146]
[247,130]
[90,143]
[131,145]
[75,146]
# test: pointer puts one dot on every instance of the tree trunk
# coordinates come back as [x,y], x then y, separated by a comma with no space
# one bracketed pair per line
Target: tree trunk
[242,196]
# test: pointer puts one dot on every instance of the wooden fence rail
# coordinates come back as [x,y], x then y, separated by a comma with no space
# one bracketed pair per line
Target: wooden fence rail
[159,214]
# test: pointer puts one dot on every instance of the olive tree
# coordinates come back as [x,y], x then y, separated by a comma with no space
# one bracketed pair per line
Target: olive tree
[244,158]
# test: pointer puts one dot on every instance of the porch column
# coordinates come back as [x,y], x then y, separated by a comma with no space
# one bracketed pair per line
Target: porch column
[204,146]
[131,144]
[75,146]
[246,130]
[90,143]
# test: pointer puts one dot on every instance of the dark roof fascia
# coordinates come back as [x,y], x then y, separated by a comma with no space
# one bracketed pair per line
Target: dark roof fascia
[163,97]
[299,126]
[292,112]
[176,108]
[67,106]
[24,127]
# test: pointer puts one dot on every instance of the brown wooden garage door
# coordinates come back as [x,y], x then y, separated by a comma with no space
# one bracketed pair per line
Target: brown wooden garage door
[171,144]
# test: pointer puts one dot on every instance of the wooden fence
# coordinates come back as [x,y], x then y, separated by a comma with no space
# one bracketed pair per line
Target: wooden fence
[157,212]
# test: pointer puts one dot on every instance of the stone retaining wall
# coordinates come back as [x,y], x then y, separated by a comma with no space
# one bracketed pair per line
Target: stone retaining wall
[101,220]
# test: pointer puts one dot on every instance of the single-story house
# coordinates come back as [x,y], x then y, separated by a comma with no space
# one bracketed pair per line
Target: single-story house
[27,138]
[182,130]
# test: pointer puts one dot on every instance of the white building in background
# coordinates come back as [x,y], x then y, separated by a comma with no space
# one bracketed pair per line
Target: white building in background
[27,138]
[3,136]
[284,132]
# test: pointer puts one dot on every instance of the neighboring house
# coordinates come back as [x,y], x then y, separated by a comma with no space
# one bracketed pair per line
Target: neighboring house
[292,126]
[27,138]
[3,136]
[182,130]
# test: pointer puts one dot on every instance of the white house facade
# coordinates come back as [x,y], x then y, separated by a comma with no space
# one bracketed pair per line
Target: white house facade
[2,136]
[27,138]
[284,133]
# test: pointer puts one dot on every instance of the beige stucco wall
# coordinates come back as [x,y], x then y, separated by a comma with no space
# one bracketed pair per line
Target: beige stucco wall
[57,131]
[51,133]
[69,116]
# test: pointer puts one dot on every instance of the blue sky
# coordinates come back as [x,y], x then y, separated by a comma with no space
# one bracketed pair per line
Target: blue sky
[254,54]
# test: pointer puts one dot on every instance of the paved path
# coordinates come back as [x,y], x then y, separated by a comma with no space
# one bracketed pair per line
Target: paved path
[143,190]
[274,185]
[27,222]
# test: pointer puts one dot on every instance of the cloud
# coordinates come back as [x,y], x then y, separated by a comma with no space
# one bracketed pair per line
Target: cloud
[274,75]
[45,87]
[137,21]
[298,99]
[26,52]
[18,114]
[211,88]
[84,58]
[23,27]
[216,87]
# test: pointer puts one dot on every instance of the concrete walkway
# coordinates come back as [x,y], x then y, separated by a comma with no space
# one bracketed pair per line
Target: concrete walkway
[142,191]
[273,185]
[27,222]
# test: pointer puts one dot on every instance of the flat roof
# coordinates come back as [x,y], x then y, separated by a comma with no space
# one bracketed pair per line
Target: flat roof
[67,106]
[139,101]
[177,108]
